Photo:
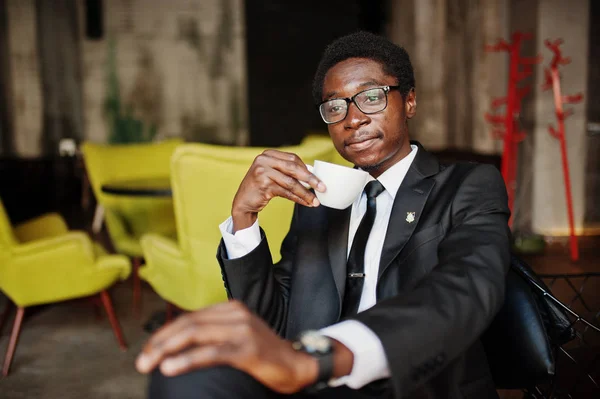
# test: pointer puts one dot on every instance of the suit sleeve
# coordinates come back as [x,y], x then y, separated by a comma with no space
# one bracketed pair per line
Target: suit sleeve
[254,280]
[451,307]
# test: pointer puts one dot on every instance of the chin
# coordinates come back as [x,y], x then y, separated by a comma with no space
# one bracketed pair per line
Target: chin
[369,164]
[368,158]
[372,163]
[370,167]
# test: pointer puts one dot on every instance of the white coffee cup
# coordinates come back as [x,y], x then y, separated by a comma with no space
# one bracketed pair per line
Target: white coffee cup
[343,184]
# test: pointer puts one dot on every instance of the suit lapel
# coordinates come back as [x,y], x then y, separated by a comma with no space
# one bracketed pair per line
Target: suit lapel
[408,206]
[337,243]
[411,197]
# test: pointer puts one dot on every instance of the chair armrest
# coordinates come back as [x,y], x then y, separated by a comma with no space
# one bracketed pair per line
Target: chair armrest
[152,243]
[57,269]
[75,245]
[45,226]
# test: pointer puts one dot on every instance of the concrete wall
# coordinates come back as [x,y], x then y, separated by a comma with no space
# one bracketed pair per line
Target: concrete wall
[456,79]
[569,21]
[27,101]
[180,65]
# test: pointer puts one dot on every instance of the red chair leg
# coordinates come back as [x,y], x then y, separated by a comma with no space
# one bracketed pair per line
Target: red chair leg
[137,286]
[97,305]
[5,315]
[12,344]
[113,319]
[170,309]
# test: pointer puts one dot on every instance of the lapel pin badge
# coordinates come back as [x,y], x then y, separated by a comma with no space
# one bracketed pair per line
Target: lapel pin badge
[410,217]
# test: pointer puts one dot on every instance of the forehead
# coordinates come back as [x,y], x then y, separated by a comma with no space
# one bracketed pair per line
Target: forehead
[354,74]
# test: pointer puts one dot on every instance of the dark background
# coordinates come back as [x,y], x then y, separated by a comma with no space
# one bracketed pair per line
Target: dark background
[281,109]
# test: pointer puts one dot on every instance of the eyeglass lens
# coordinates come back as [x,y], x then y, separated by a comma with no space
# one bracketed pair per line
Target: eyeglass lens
[368,101]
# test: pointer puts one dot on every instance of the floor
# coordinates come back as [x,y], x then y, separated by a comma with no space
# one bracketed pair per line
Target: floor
[66,352]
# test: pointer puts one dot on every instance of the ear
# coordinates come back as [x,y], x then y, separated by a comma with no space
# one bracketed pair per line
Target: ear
[411,104]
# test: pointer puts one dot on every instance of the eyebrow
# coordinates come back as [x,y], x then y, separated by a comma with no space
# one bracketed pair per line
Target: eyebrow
[360,86]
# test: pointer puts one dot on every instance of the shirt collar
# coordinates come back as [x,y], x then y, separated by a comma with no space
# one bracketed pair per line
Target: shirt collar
[392,178]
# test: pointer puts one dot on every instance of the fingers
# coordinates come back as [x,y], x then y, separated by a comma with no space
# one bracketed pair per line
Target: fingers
[195,358]
[194,335]
[288,187]
[273,174]
[215,325]
[242,340]
[230,311]
[291,165]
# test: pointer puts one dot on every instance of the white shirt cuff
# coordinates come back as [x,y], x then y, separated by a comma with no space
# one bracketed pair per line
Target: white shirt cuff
[370,363]
[242,242]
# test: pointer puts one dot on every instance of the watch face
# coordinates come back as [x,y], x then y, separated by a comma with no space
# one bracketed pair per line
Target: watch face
[314,341]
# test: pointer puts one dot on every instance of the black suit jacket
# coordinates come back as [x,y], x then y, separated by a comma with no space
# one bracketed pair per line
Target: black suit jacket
[441,277]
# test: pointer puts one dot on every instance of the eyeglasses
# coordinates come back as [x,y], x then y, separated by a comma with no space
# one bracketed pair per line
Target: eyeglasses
[368,101]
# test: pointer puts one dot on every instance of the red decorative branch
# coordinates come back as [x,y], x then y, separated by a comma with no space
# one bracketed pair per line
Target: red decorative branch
[574,99]
[505,126]
[498,102]
[501,45]
[552,80]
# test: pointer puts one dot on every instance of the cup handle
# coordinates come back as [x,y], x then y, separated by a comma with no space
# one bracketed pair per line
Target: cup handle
[310,169]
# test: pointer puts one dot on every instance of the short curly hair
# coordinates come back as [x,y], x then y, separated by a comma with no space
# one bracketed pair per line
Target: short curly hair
[394,59]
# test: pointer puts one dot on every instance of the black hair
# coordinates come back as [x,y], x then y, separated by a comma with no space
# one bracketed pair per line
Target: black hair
[393,58]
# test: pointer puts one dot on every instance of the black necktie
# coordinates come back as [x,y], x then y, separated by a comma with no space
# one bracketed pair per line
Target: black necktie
[355,268]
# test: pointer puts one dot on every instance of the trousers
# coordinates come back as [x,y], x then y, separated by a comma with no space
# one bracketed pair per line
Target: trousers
[228,383]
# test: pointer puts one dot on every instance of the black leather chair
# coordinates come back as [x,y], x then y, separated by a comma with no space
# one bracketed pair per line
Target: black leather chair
[521,341]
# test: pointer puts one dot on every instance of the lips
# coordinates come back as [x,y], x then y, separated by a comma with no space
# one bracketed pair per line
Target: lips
[361,143]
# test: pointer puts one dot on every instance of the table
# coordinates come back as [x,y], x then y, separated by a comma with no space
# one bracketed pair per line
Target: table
[149,187]
[144,187]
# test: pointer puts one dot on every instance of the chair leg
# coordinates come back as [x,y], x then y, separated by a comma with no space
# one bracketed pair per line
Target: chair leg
[169,315]
[97,305]
[112,317]
[14,337]
[5,314]
[137,286]
[98,219]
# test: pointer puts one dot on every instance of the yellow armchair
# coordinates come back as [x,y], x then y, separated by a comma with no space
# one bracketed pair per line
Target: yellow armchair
[42,262]
[45,226]
[128,218]
[204,179]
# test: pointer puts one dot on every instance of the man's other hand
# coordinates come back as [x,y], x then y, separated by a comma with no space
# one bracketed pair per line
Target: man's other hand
[228,334]
[273,174]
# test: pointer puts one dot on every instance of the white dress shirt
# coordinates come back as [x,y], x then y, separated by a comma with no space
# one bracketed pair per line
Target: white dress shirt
[370,362]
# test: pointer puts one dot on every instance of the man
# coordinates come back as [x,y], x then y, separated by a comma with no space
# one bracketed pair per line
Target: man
[384,299]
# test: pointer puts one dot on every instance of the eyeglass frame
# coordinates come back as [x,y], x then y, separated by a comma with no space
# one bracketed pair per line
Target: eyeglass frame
[386,90]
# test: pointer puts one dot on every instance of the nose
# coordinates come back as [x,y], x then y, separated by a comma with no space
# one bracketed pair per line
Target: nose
[355,118]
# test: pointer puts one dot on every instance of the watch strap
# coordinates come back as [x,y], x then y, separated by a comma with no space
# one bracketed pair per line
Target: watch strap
[319,347]
[325,371]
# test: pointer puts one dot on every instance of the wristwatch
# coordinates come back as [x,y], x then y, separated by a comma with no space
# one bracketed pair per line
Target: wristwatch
[320,347]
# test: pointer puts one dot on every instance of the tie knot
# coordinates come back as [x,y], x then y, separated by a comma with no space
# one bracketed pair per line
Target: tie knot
[374,188]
